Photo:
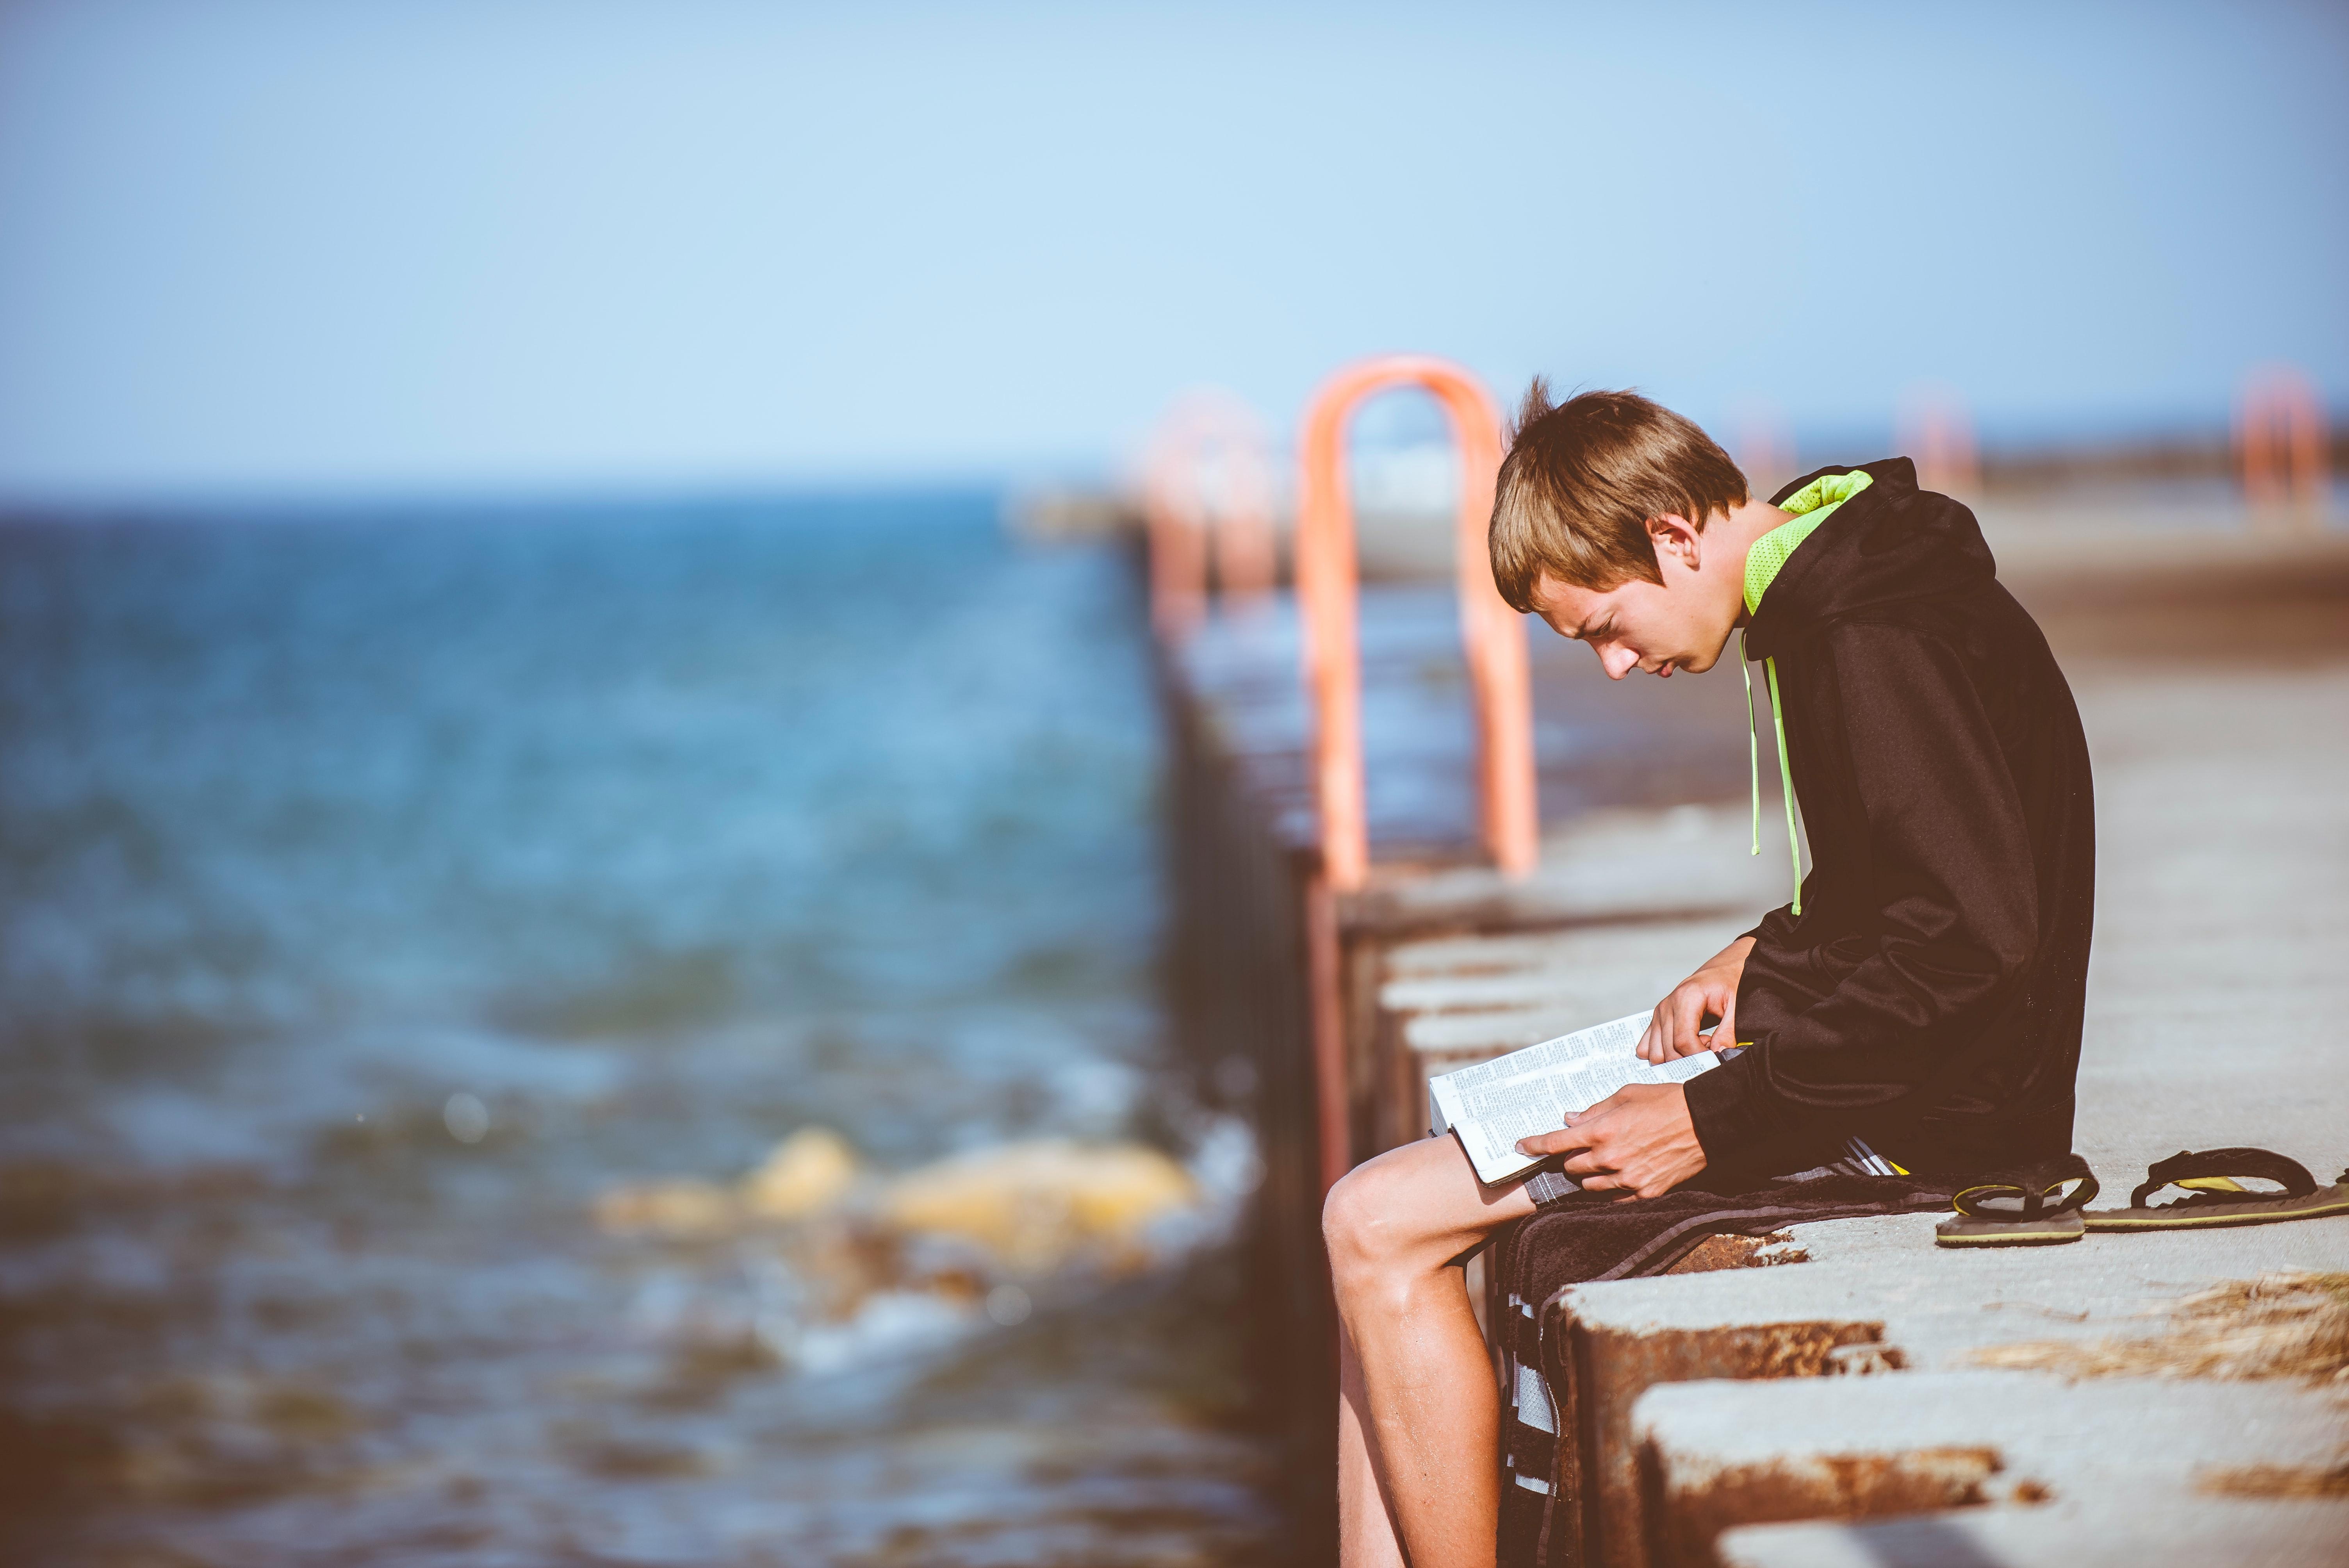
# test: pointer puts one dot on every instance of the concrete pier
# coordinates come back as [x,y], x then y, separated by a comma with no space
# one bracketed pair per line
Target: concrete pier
[2155,1529]
[2212,672]
[1719,1457]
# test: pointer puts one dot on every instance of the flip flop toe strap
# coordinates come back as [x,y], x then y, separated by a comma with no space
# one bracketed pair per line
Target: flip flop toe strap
[2209,1177]
[2029,1192]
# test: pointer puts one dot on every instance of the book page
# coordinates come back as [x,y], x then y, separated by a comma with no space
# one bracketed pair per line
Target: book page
[1493,1104]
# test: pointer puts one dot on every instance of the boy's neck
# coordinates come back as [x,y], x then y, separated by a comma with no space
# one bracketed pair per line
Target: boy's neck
[1744,525]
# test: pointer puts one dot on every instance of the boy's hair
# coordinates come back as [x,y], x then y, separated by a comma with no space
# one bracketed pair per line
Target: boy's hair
[1582,479]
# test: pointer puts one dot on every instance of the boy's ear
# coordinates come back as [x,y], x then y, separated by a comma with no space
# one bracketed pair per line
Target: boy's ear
[1676,542]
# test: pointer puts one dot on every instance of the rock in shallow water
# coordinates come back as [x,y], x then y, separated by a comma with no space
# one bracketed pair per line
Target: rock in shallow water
[809,1173]
[1030,1207]
[1035,1205]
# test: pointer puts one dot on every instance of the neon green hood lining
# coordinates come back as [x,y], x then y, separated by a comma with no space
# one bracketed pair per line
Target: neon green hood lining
[1811,505]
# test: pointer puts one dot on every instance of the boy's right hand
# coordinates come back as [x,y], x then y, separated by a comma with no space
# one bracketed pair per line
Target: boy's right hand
[1711,992]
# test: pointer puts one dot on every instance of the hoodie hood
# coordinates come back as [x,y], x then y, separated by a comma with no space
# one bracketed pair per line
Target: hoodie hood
[1887,542]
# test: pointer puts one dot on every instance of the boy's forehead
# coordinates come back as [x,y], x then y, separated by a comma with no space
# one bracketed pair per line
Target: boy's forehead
[1564,604]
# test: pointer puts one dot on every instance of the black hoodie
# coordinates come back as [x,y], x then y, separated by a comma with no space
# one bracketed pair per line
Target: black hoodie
[1927,1000]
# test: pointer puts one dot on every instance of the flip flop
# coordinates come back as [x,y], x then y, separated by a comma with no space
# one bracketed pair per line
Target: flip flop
[2217,1196]
[2022,1206]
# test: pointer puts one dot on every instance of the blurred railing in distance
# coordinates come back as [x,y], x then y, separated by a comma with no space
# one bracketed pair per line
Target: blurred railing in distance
[1492,633]
[2280,443]
[1936,429]
[1207,493]
[2285,465]
[1762,443]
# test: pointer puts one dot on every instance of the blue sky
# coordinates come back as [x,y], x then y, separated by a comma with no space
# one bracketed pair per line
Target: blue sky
[421,246]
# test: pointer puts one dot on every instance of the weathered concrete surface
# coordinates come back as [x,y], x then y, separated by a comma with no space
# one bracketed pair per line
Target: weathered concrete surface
[1883,1279]
[1939,1304]
[1716,1455]
[1611,1372]
[2133,1531]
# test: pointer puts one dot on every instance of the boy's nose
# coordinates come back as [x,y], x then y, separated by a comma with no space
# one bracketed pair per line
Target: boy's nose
[1619,662]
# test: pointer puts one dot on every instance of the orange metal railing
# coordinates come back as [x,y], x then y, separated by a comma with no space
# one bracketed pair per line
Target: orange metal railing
[1208,483]
[1495,640]
[2280,438]
[1763,447]
[1935,430]
[1491,632]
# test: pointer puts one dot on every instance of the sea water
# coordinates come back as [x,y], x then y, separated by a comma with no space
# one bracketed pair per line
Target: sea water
[381,889]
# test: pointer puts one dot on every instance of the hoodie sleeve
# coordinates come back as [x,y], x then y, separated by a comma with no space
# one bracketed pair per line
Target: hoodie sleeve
[1948,869]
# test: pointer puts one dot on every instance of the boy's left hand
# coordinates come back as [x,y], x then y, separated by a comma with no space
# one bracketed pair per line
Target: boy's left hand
[1639,1140]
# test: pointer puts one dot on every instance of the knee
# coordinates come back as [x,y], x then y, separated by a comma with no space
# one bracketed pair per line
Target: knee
[1362,1227]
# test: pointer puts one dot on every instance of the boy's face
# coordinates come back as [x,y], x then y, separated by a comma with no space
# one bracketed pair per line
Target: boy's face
[1680,623]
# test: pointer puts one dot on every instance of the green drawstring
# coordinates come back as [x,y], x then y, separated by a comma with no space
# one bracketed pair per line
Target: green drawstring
[1753,761]
[1785,781]
[1752,740]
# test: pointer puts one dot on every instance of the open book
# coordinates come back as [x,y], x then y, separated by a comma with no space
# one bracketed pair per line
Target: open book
[1495,1103]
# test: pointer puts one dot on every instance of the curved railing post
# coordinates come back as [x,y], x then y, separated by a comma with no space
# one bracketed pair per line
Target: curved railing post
[1492,633]
[2280,438]
[1937,431]
[1178,556]
[1203,432]
[1247,562]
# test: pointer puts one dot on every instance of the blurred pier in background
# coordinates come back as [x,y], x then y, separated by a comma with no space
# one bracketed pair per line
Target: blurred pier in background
[1413,830]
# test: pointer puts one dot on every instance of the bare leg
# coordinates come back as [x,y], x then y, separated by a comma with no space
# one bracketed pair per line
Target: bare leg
[1366,1530]
[1419,1424]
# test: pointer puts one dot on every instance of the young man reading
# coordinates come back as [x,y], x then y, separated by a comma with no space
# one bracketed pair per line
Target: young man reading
[1918,1001]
